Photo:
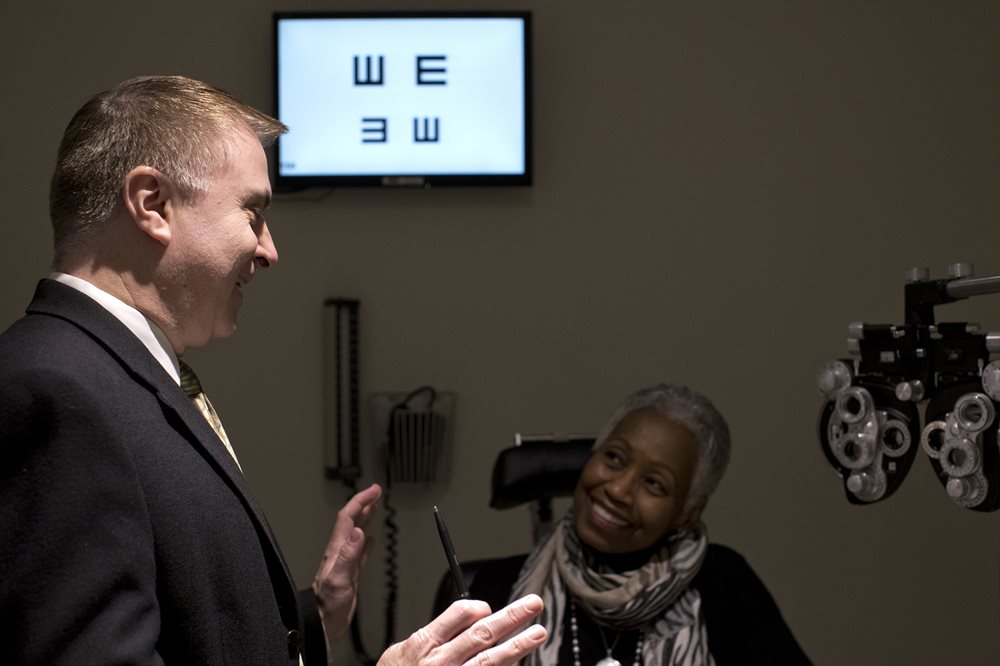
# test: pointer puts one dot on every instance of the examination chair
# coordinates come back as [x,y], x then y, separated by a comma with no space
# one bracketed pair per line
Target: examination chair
[537,469]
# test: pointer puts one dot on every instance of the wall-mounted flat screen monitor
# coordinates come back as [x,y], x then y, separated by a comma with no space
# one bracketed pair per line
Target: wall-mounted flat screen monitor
[403,98]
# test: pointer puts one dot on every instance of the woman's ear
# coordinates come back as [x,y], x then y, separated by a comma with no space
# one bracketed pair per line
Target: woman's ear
[692,517]
[147,199]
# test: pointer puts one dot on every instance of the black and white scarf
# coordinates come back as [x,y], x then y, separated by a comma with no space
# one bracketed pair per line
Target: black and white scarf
[655,597]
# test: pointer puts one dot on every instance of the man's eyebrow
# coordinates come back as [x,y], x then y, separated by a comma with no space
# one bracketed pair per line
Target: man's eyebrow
[261,198]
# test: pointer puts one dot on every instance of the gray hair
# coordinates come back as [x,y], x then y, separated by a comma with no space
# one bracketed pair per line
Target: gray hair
[696,413]
[174,124]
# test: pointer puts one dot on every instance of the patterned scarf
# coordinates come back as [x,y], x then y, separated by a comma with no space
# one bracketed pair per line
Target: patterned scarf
[656,596]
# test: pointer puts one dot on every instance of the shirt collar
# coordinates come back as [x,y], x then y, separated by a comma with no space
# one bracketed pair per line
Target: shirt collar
[148,333]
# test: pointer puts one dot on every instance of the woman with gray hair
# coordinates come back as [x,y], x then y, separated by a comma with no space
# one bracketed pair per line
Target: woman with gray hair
[628,576]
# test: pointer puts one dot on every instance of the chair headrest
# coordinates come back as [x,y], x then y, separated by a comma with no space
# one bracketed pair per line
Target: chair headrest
[539,467]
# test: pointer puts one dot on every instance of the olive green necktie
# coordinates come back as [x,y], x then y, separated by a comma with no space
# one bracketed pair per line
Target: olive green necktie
[191,386]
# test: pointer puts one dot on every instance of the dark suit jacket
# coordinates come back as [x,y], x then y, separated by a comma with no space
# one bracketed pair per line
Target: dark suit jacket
[127,533]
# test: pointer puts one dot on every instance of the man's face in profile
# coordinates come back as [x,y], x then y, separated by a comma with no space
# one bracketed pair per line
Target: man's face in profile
[223,240]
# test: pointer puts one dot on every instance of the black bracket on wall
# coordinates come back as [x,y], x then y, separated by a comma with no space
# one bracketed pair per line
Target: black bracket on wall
[342,457]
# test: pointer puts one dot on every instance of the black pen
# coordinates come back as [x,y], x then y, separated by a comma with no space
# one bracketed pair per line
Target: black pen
[449,552]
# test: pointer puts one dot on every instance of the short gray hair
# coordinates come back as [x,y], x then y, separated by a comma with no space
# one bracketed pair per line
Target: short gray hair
[696,413]
[174,124]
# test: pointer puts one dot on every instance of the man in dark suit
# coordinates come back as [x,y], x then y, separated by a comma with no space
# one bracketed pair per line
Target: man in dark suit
[128,534]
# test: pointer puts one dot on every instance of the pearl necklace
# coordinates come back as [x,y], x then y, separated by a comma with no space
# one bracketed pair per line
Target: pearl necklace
[608,660]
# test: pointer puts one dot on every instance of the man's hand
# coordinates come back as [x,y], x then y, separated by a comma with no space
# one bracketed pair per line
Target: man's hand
[466,633]
[336,582]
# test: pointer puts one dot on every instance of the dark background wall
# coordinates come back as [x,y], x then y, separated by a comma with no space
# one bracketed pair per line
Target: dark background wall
[721,188]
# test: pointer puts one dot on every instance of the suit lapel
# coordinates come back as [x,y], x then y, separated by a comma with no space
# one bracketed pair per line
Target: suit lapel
[58,300]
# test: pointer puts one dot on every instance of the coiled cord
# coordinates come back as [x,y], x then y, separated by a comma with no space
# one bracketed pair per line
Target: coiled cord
[391,574]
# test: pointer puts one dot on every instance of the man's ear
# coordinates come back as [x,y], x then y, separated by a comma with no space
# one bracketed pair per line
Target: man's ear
[148,202]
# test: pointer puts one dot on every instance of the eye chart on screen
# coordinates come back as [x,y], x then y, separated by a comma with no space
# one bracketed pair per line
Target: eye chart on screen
[381,95]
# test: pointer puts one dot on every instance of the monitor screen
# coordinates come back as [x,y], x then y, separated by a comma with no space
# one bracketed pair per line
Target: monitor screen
[403,98]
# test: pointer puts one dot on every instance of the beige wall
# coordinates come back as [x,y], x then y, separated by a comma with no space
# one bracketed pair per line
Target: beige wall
[721,188]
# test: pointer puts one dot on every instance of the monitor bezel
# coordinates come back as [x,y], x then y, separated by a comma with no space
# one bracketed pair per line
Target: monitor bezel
[287,182]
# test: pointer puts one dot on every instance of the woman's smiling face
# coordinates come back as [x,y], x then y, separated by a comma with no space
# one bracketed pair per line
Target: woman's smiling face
[633,490]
